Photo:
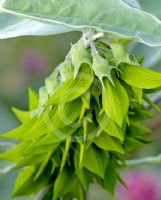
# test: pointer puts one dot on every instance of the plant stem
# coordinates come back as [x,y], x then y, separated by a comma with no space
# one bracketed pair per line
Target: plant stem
[42,193]
[143,161]
[93,49]
[156,98]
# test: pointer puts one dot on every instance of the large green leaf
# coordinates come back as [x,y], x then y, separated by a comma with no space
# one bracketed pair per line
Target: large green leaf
[103,15]
[13,26]
[133,3]
[152,7]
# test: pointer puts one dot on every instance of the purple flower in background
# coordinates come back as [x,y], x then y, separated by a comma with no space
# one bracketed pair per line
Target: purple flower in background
[141,186]
[33,62]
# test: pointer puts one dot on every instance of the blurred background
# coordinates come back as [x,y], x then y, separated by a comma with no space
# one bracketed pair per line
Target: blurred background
[26,61]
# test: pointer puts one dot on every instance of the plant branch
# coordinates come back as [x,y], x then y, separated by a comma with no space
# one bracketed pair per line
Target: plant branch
[90,37]
[93,49]
[42,193]
[156,98]
[143,161]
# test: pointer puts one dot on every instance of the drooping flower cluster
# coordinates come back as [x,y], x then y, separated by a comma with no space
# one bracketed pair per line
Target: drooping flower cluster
[83,121]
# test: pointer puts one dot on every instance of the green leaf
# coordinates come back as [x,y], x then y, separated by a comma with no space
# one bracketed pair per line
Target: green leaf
[64,183]
[108,143]
[83,174]
[73,88]
[31,129]
[123,183]
[41,127]
[78,192]
[37,149]
[30,159]
[84,16]
[15,154]
[5,166]
[43,165]
[55,120]
[96,91]
[110,178]
[23,116]
[115,101]
[13,26]
[25,183]
[140,112]
[59,135]
[132,143]
[136,129]
[140,77]
[23,177]
[95,160]
[33,99]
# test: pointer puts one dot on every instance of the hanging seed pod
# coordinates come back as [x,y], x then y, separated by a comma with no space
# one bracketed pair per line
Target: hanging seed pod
[102,69]
[83,122]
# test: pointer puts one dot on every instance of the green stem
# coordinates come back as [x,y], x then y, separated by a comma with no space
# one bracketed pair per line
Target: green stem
[142,161]
[42,193]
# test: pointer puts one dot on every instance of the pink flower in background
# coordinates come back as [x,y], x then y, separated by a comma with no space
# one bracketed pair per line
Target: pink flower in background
[141,186]
[33,62]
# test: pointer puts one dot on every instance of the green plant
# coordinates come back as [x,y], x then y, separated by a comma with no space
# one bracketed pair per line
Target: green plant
[87,117]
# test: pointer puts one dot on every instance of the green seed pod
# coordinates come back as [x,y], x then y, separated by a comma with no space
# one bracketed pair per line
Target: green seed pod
[79,55]
[83,123]
[102,69]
